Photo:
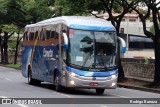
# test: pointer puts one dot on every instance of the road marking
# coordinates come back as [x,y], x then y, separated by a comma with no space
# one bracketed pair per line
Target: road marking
[8,79]
[3,97]
[119,96]
[22,105]
[103,105]
[62,94]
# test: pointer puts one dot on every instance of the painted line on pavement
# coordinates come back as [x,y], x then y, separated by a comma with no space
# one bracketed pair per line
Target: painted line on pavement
[63,94]
[3,97]
[119,96]
[8,79]
[103,105]
[22,105]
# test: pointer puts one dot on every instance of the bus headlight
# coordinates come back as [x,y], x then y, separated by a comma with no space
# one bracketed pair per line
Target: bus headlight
[113,84]
[113,77]
[73,74]
[72,82]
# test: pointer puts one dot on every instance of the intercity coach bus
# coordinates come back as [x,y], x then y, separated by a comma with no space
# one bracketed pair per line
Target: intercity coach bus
[72,51]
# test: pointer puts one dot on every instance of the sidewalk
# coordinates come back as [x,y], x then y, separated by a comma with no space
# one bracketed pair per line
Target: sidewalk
[138,84]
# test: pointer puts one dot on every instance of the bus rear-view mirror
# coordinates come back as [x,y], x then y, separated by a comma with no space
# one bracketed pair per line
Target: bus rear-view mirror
[65,41]
[123,45]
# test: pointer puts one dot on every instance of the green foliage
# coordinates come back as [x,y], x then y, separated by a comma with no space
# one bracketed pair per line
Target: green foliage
[152,29]
[146,61]
[9,28]
[78,7]
[22,12]
[16,14]
[82,7]
[37,10]
[17,66]
[12,44]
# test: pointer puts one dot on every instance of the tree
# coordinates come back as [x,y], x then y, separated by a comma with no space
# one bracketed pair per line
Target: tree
[152,29]
[19,13]
[8,31]
[22,12]
[85,7]
[0,45]
[17,44]
[153,9]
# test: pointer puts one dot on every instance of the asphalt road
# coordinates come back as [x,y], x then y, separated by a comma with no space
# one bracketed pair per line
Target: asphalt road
[14,85]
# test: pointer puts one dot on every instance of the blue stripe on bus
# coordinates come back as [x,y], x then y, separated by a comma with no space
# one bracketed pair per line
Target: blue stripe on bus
[92,73]
[86,27]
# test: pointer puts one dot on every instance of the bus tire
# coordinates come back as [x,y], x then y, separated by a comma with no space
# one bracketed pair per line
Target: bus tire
[100,91]
[56,83]
[32,81]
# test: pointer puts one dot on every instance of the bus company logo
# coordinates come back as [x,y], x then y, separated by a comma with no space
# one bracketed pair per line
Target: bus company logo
[47,53]
[94,78]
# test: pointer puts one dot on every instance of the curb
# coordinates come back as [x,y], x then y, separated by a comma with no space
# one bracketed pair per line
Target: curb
[138,88]
[10,67]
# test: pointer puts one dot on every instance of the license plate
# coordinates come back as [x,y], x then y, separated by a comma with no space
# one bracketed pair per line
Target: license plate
[93,83]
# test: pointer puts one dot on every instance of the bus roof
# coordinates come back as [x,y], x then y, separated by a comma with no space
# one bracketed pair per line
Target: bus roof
[77,22]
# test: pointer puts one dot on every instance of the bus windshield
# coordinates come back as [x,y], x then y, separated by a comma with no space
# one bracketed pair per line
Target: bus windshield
[92,50]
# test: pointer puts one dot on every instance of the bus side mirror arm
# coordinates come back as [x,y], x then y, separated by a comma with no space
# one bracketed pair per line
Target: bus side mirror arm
[65,41]
[123,45]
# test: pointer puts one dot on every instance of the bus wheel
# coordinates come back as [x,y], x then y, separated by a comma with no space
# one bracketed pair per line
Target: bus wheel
[32,81]
[56,83]
[99,91]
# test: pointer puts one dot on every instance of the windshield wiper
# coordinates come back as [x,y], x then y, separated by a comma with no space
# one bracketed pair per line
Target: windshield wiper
[75,65]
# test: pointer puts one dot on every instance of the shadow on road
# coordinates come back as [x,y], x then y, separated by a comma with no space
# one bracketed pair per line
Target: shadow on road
[71,91]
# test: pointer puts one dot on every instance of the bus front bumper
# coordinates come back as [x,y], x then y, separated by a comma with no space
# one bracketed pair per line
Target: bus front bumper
[109,82]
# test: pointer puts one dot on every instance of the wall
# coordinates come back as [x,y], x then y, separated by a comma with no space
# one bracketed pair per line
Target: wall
[140,53]
[138,67]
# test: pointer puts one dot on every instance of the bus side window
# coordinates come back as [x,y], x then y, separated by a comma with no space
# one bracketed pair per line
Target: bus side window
[27,34]
[24,36]
[41,35]
[31,36]
[52,34]
[36,35]
[56,35]
[48,34]
[43,38]
[44,35]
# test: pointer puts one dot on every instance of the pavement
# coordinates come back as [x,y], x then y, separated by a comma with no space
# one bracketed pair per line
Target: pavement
[138,83]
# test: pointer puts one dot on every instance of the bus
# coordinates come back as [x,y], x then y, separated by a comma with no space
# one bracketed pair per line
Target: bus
[73,52]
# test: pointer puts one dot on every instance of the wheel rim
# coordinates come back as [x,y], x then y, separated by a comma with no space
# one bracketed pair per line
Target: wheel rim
[29,78]
[56,82]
